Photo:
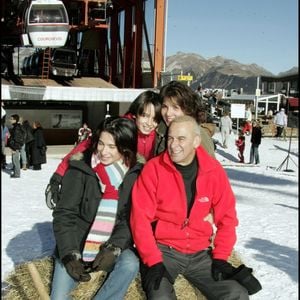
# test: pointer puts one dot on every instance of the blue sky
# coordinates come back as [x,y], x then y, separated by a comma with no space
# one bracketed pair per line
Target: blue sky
[264,32]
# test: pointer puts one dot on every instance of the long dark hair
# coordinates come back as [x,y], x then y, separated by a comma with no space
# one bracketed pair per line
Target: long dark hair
[182,95]
[137,107]
[124,132]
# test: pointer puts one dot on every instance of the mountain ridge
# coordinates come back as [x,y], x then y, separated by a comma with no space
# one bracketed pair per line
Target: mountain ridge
[219,71]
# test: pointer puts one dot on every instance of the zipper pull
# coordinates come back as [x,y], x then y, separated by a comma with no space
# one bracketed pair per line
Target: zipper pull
[185,223]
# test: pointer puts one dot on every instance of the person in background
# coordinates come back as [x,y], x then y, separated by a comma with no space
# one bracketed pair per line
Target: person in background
[23,157]
[212,101]
[255,142]
[247,126]
[280,121]
[206,122]
[270,114]
[4,138]
[15,142]
[145,110]
[91,218]
[84,132]
[179,100]
[28,141]
[226,128]
[199,92]
[171,201]
[39,147]
[240,143]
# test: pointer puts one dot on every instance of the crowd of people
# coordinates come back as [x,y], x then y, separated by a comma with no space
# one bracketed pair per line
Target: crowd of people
[26,143]
[144,193]
[253,128]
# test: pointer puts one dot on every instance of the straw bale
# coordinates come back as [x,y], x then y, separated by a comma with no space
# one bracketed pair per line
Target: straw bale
[20,284]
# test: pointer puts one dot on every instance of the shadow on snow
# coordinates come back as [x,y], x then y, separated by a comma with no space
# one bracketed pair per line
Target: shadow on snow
[32,244]
[281,257]
[259,179]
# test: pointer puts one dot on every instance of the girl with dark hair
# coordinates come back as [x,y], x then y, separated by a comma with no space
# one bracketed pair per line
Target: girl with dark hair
[182,96]
[145,110]
[91,218]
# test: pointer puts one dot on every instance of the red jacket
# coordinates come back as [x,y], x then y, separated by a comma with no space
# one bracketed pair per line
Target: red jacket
[159,195]
[81,147]
[240,143]
[146,143]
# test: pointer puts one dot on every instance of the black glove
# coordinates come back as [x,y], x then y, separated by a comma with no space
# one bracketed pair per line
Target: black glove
[106,258]
[52,190]
[154,275]
[75,267]
[222,270]
[243,275]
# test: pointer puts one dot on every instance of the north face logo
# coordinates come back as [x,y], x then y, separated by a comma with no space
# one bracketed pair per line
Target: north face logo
[203,199]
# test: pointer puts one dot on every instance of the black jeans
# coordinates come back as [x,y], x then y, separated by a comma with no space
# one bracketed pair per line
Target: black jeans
[279,131]
[196,268]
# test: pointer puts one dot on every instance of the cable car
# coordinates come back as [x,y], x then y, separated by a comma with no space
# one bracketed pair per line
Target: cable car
[47,23]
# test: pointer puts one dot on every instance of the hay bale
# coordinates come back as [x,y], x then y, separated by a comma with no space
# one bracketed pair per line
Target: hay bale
[20,284]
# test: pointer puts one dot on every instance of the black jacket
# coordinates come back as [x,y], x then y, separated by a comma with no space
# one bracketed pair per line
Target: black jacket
[38,147]
[17,138]
[28,133]
[256,135]
[75,212]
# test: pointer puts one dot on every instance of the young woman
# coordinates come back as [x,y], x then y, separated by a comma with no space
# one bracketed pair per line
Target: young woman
[145,110]
[179,100]
[90,220]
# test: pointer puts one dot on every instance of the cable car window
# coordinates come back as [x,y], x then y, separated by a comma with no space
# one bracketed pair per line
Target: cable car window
[64,56]
[48,14]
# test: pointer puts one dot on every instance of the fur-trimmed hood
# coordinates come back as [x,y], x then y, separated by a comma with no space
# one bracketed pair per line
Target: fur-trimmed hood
[77,156]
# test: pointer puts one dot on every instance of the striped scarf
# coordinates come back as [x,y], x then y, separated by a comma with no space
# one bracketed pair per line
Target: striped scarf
[110,178]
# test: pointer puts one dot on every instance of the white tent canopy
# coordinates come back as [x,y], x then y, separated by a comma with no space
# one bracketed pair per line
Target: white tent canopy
[50,93]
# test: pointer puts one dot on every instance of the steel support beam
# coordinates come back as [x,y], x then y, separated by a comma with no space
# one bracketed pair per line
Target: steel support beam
[138,44]
[114,49]
[159,41]
[127,51]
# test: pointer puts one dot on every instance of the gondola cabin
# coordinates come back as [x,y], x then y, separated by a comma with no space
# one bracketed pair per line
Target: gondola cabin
[47,23]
